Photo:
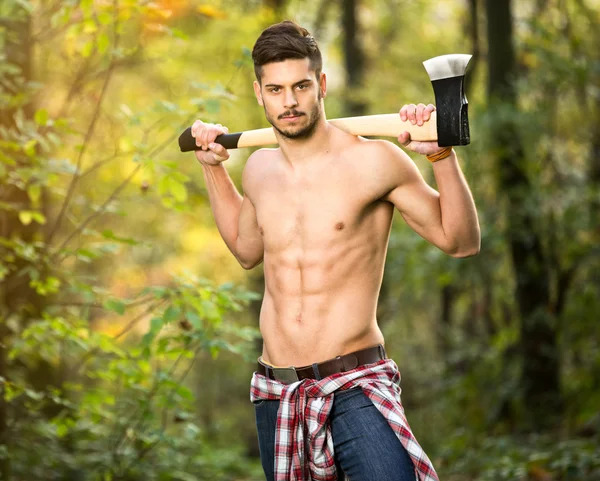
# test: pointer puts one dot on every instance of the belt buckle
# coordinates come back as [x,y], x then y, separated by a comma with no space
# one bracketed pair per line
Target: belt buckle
[286,375]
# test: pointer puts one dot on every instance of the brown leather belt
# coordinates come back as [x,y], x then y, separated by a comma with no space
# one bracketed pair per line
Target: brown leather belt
[347,362]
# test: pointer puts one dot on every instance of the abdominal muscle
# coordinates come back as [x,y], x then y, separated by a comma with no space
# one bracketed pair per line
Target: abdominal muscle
[320,303]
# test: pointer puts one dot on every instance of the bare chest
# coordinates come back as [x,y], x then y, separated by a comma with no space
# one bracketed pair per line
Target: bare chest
[311,211]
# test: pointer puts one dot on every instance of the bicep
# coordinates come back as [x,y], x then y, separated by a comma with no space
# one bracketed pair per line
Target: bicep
[417,202]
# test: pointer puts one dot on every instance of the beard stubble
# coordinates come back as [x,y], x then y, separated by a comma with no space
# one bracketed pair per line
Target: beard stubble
[306,131]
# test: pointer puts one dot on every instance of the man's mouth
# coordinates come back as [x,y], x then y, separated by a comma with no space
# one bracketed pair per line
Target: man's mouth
[291,116]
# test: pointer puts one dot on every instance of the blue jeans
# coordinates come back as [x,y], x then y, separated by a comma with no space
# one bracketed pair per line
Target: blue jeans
[366,448]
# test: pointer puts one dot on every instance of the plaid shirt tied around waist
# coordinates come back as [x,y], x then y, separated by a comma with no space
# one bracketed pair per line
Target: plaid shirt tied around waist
[303,441]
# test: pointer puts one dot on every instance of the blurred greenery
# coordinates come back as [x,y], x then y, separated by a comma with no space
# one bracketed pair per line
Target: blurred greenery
[128,331]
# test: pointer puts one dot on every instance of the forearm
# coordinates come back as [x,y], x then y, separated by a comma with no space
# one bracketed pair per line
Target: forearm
[225,202]
[457,209]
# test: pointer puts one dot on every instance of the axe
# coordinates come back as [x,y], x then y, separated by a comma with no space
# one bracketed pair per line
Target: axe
[449,124]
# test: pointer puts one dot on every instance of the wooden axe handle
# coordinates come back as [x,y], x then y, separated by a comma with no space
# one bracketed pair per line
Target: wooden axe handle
[383,125]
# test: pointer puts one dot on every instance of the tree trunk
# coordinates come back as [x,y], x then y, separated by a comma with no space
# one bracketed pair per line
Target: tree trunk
[4,437]
[354,59]
[594,167]
[446,319]
[472,30]
[321,18]
[18,300]
[450,291]
[14,288]
[538,339]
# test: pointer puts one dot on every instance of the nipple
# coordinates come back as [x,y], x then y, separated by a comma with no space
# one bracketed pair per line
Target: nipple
[339,226]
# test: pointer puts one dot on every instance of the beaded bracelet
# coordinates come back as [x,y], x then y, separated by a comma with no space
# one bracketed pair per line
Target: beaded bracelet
[442,154]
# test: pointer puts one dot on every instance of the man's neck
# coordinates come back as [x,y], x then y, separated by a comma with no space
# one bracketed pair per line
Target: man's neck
[300,151]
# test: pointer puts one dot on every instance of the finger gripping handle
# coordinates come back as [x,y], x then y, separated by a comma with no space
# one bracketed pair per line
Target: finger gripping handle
[187,143]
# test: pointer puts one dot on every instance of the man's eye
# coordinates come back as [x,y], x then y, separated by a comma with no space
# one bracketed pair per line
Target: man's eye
[302,87]
[275,90]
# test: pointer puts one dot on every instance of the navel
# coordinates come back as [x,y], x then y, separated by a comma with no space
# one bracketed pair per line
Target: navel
[339,226]
[261,230]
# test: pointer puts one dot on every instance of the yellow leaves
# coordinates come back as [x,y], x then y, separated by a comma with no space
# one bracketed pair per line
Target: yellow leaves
[156,15]
[103,42]
[126,144]
[211,11]
[41,117]
[87,48]
[28,216]
[530,59]
[91,30]
[82,38]
[34,191]
[87,6]
[29,147]
[159,10]
[156,27]
[43,287]
[89,26]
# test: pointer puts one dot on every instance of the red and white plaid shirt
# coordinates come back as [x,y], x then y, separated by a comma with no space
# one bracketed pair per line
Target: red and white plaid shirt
[302,420]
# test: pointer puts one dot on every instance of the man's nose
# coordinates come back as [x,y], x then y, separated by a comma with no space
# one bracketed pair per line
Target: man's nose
[290,99]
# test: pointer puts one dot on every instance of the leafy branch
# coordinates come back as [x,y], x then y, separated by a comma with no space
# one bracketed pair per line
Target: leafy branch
[83,360]
[97,213]
[90,131]
[142,453]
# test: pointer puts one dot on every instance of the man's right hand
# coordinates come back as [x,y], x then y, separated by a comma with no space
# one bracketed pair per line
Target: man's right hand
[205,135]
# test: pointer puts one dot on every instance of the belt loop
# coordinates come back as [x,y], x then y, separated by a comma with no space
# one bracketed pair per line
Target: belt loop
[316,371]
[382,351]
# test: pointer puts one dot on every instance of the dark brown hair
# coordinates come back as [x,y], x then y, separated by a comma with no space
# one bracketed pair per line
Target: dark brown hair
[283,41]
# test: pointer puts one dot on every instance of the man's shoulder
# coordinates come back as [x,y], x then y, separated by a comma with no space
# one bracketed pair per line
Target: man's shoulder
[380,165]
[257,165]
[378,146]
[376,154]
[259,160]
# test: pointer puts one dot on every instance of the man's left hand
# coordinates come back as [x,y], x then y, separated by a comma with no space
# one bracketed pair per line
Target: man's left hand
[417,115]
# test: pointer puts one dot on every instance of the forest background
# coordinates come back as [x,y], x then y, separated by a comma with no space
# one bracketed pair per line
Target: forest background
[128,332]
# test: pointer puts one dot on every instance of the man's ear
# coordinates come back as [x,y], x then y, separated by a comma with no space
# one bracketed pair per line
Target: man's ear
[258,93]
[323,85]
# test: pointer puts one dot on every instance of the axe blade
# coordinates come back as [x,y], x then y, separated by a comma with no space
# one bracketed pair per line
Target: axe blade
[447,75]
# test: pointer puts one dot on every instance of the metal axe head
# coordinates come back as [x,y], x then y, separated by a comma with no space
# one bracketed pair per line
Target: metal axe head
[447,74]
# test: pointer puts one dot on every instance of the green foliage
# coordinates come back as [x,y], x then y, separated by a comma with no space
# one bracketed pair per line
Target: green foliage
[125,412]
[97,381]
[534,457]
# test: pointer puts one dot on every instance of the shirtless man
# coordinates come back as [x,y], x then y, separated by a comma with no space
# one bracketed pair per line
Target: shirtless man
[318,212]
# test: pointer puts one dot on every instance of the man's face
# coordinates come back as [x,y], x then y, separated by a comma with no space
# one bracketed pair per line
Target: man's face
[291,96]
